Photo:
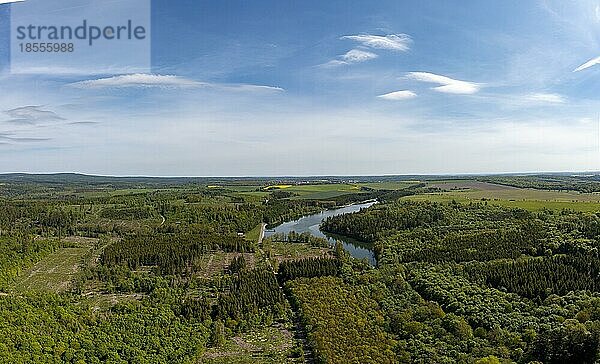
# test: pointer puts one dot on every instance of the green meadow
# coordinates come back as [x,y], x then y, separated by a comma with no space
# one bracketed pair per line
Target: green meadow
[530,199]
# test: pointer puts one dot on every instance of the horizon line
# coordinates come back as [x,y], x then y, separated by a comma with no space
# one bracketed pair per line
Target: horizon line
[465,174]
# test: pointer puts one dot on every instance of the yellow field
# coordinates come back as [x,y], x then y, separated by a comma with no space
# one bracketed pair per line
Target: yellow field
[279,187]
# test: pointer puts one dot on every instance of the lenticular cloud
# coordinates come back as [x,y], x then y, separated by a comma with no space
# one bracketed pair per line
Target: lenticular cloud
[396,42]
[447,84]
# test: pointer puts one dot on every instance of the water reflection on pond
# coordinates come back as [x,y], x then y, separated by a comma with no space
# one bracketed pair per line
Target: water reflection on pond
[311,224]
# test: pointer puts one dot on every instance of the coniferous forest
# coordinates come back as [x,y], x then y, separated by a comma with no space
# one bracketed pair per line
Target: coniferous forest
[186,273]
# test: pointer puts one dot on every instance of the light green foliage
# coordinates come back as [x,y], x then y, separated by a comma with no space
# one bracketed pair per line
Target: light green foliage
[49,329]
[344,324]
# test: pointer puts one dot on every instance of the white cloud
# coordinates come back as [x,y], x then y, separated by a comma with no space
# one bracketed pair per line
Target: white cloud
[242,87]
[544,97]
[356,56]
[448,85]
[588,64]
[139,80]
[333,63]
[353,56]
[10,1]
[142,80]
[399,95]
[396,42]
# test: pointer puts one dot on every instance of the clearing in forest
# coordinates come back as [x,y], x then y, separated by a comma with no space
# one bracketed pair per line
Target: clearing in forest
[273,344]
[54,272]
[213,264]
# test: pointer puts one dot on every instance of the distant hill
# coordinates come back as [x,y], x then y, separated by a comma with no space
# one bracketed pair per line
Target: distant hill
[76,179]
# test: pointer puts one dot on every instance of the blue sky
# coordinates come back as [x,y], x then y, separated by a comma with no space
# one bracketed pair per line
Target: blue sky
[312,87]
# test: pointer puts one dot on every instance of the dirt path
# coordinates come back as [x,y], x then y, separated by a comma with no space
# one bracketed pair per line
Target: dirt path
[301,336]
[261,236]
[260,249]
[208,266]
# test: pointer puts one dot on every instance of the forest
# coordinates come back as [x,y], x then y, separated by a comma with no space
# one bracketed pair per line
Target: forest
[585,184]
[522,285]
[172,272]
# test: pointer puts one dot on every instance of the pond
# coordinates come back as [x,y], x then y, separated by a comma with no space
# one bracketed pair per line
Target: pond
[311,224]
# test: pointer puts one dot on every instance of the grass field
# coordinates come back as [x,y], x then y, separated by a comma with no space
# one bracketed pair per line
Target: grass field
[53,273]
[389,185]
[530,199]
[243,188]
[319,191]
[468,185]
[324,191]
[253,234]
[306,192]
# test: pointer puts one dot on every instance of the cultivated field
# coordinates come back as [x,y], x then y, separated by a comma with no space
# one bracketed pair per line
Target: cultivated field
[320,191]
[469,185]
[473,191]
[389,185]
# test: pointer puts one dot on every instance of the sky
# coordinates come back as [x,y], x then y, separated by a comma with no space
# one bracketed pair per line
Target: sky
[274,88]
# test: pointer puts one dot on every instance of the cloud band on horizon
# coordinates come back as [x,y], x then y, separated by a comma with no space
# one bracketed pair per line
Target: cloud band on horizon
[142,80]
